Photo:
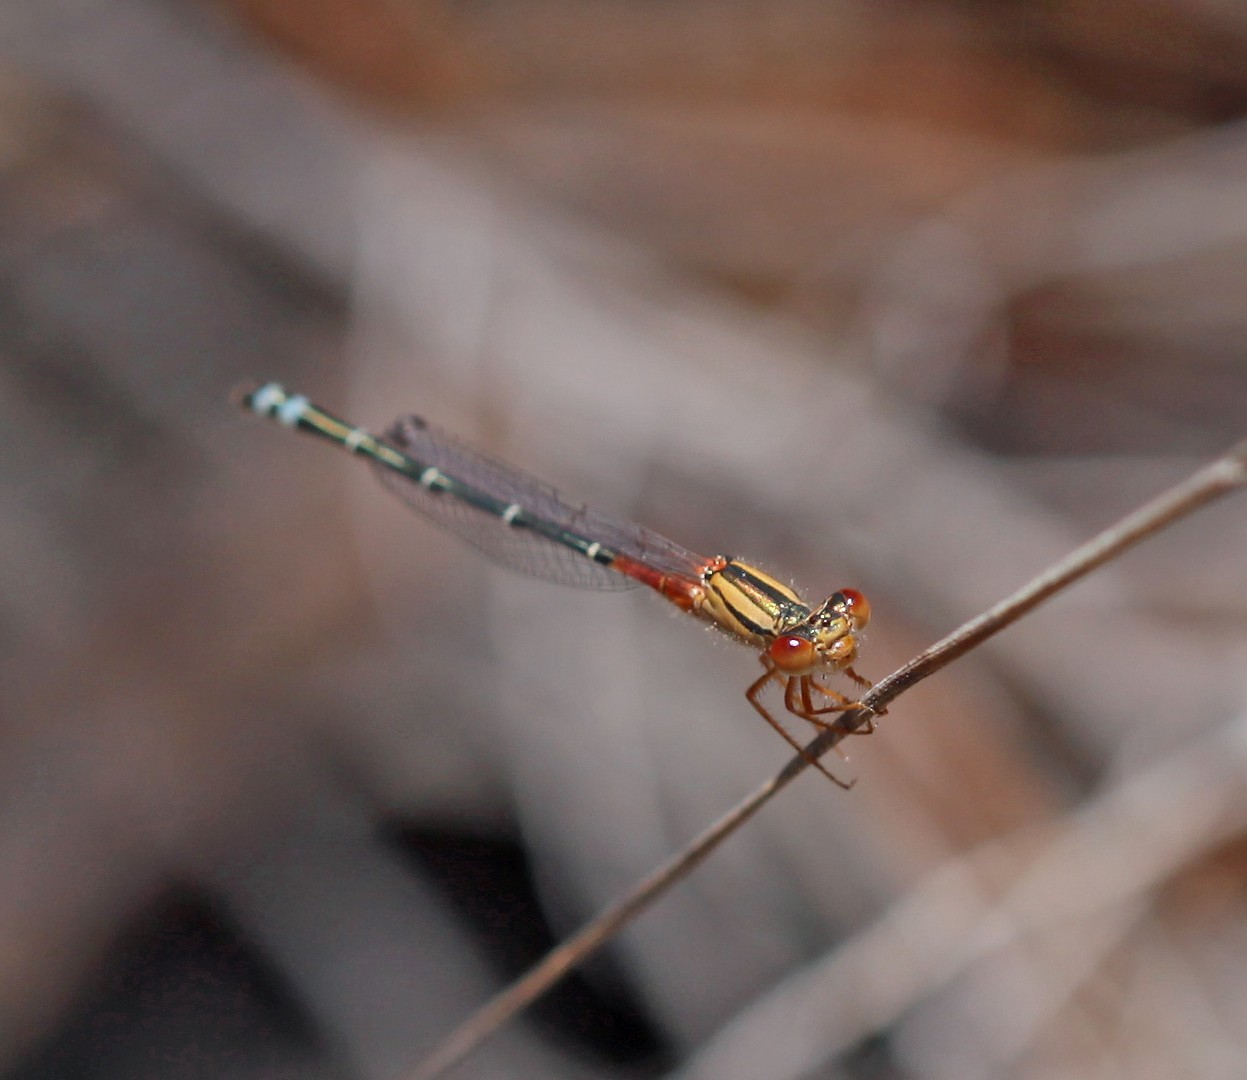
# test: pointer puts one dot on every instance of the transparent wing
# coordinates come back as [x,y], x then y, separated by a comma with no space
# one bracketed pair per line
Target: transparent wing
[518,548]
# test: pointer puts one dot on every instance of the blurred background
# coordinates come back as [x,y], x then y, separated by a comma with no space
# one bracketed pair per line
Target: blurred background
[911,297]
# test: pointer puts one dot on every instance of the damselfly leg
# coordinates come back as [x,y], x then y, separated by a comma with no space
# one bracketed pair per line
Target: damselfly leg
[796,693]
[841,703]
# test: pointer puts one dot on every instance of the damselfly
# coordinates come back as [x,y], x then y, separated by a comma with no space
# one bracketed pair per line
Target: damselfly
[526,525]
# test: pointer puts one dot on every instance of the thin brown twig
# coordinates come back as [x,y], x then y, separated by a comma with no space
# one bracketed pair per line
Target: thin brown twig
[1219,478]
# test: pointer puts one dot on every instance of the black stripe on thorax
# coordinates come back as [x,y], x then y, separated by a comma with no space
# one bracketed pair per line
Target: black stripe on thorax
[748,624]
[738,573]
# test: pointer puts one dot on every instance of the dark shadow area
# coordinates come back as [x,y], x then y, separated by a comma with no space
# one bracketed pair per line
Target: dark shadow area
[182,995]
[489,880]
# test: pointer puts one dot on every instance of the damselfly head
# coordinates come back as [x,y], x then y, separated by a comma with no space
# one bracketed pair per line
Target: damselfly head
[826,638]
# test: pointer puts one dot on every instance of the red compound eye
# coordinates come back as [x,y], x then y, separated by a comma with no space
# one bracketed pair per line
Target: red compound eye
[857,606]
[793,655]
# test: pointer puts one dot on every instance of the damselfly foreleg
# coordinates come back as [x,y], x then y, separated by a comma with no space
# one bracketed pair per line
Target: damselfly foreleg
[841,704]
[752,696]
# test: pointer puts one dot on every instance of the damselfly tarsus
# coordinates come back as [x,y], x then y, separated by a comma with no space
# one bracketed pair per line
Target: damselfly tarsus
[526,525]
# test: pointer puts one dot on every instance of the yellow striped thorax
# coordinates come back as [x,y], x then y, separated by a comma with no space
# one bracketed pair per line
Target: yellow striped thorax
[754,607]
[749,604]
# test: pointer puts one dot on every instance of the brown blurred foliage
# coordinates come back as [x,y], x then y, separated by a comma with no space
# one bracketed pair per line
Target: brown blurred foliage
[906,296]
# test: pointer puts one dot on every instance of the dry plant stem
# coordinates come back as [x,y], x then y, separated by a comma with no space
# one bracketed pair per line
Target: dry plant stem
[1211,482]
